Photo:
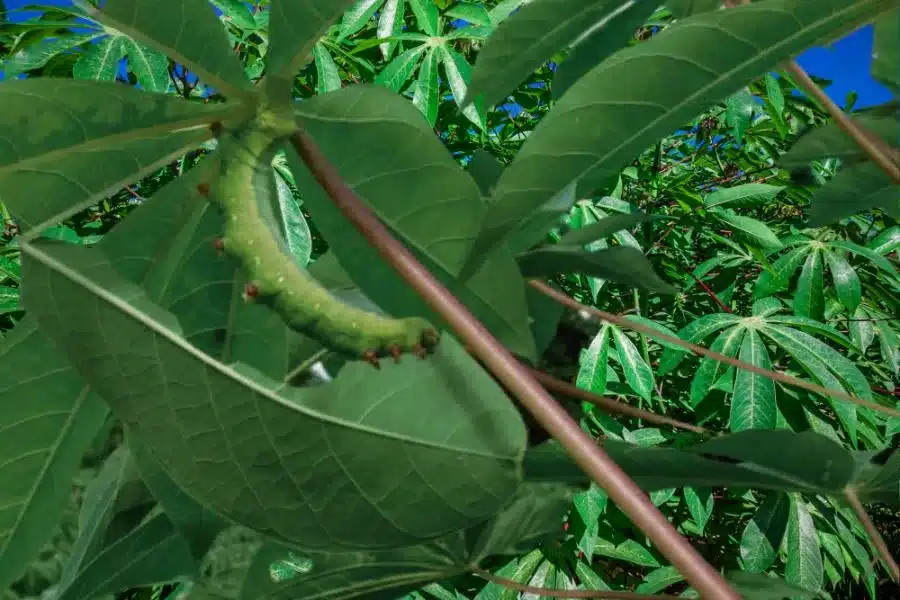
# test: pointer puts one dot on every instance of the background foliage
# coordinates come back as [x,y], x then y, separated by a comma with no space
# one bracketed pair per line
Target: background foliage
[779,240]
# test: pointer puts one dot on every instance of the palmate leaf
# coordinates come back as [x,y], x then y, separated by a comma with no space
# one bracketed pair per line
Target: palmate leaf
[98,134]
[205,51]
[753,398]
[710,370]
[695,332]
[380,144]
[37,55]
[154,380]
[624,119]
[294,30]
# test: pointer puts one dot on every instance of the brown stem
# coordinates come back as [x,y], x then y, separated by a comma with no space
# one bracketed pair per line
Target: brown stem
[596,463]
[710,293]
[879,151]
[880,546]
[567,389]
[589,311]
[541,591]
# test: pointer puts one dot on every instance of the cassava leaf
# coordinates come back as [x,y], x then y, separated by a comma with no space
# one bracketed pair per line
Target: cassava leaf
[626,118]
[324,432]
[205,52]
[621,264]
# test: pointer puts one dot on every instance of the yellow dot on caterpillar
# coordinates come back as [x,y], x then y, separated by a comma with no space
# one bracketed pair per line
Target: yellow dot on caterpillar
[280,279]
[234,218]
[355,325]
[317,306]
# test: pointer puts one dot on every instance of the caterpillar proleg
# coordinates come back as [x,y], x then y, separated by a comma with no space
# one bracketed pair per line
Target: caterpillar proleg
[244,181]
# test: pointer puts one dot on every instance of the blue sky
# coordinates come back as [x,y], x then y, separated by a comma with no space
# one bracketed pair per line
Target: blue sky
[845,63]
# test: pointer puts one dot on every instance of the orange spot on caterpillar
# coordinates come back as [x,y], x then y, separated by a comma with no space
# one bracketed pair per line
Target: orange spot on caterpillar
[430,338]
[219,245]
[396,351]
[250,292]
[203,189]
[371,358]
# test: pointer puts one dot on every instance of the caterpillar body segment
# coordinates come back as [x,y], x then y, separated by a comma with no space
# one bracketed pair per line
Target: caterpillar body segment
[245,183]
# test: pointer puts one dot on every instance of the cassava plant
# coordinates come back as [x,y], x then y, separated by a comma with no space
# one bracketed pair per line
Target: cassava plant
[196,319]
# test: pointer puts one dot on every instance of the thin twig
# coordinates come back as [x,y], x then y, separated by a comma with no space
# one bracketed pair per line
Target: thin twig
[881,153]
[592,459]
[880,546]
[608,404]
[654,333]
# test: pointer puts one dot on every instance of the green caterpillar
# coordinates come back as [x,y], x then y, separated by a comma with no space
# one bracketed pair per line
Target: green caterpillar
[245,175]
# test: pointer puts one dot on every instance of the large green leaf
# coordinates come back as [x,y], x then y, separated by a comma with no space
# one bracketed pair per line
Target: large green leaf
[749,230]
[830,141]
[77,141]
[193,412]
[380,144]
[855,189]
[528,37]
[197,525]
[685,8]
[49,417]
[205,51]
[604,37]
[534,514]
[886,51]
[621,264]
[661,84]
[294,29]
[766,459]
